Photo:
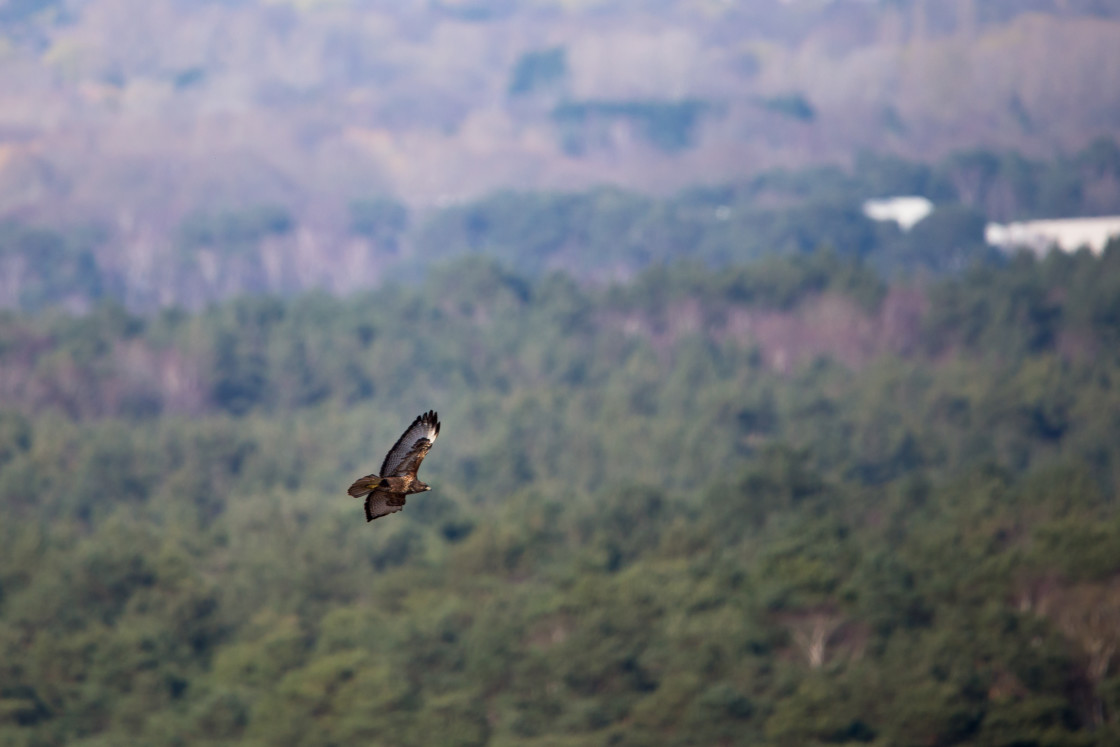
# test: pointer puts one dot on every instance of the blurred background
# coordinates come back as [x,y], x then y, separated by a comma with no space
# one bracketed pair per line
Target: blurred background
[776,345]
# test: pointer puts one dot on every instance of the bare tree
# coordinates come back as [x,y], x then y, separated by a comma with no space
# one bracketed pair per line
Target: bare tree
[813,633]
[1089,615]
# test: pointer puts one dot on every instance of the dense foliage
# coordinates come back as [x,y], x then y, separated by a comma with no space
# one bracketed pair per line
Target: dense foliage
[781,504]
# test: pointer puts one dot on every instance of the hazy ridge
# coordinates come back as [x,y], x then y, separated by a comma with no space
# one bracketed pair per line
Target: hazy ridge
[137,119]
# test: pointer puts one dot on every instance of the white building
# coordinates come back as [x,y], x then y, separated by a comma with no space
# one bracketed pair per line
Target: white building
[1067,234]
[905,211]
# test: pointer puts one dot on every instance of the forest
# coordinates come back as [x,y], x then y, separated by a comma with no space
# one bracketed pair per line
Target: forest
[723,460]
[788,501]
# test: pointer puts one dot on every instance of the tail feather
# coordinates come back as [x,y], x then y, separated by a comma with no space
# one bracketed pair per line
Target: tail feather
[363,485]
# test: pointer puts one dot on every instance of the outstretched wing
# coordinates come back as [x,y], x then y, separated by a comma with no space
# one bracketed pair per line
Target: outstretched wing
[405,456]
[381,503]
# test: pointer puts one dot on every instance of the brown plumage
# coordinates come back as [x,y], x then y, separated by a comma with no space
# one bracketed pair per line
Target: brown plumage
[385,492]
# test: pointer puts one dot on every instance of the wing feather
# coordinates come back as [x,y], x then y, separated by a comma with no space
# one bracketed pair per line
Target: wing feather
[412,446]
[411,462]
[382,503]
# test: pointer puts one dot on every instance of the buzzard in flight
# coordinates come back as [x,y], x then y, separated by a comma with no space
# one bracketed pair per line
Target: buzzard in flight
[385,493]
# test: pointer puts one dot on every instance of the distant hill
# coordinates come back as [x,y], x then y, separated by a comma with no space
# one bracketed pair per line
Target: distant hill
[596,234]
[140,119]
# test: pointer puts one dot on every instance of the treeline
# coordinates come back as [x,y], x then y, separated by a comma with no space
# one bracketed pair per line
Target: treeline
[653,521]
[784,212]
[213,255]
[266,354]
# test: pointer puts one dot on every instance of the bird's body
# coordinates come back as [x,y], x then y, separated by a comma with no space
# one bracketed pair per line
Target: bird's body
[385,492]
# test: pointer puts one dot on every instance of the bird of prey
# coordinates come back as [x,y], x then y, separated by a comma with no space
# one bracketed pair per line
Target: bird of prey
[385,492]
